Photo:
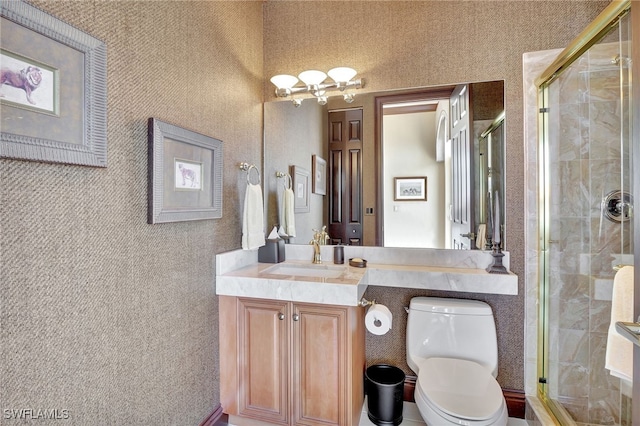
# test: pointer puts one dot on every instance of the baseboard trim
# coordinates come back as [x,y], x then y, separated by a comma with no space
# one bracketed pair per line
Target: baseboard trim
[216,417]
[515,399]
[409,388]
[516,402]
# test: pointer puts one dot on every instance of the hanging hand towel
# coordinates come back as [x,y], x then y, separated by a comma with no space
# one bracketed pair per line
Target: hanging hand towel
[253,218]
[288,213]
[619,354]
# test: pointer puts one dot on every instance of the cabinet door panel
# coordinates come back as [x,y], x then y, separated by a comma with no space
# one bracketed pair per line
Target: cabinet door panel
[263,359]
[320,374]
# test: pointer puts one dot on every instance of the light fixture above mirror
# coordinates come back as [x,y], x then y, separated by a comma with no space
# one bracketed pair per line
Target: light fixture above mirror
[315,84]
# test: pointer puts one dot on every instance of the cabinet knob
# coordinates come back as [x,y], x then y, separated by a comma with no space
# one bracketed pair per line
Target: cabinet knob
[281,316]
[296,317]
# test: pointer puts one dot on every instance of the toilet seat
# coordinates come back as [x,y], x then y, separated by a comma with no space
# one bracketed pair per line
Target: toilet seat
[461,391]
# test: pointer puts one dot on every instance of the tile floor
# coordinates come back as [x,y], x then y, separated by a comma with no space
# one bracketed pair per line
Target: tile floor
[411,417]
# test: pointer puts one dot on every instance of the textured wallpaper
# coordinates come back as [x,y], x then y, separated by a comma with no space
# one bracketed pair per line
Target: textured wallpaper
[102,314]
[406,44]
[116,320]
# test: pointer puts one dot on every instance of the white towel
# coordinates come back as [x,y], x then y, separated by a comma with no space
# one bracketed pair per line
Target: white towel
[619,354]
[288,212]
[253,218]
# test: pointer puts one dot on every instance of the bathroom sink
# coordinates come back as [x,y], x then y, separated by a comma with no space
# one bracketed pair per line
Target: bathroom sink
[304,270]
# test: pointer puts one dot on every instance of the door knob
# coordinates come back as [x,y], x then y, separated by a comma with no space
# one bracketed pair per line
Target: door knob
[470,235]
[296,317]
[281,316]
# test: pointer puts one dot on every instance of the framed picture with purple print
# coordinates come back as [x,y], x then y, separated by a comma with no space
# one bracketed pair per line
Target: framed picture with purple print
[53,89]
[184,174]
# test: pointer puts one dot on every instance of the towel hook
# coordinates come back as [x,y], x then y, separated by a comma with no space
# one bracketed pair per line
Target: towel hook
[247,168]
[285,175]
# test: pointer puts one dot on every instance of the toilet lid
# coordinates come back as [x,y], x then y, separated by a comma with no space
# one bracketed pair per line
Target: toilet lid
[460,388]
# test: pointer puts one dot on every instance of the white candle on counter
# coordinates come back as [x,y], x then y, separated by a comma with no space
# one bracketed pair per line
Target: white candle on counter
[496,221]
[490,215]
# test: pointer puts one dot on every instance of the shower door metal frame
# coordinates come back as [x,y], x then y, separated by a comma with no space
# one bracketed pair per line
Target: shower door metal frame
[635,141]
[595,31]
[543,247]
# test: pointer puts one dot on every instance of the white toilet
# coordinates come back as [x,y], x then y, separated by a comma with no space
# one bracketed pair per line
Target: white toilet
[452,347]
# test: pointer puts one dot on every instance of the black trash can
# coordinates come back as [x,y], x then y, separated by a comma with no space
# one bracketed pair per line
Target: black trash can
[385,388]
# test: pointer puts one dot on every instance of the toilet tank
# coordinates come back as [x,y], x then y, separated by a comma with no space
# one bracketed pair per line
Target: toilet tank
[451,328]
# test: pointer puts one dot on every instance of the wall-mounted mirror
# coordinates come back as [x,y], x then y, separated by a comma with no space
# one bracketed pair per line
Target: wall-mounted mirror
[413,183]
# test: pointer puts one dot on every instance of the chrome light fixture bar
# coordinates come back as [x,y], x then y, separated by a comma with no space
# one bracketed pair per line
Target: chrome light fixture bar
[315,84]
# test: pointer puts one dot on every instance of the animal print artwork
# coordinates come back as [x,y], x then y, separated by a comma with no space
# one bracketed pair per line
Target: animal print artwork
[27,79]
[26,83]
[188,175]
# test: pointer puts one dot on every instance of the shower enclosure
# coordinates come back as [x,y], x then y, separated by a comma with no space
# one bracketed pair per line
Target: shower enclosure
[585,224]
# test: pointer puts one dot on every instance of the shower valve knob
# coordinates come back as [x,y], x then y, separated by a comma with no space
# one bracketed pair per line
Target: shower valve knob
[617,206]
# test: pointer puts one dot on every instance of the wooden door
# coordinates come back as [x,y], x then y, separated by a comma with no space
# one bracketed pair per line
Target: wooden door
[320,372]
[345,177]
[462,226]
[263,359]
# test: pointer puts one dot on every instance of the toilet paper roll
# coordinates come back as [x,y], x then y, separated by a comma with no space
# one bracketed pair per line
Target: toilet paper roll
[378,319]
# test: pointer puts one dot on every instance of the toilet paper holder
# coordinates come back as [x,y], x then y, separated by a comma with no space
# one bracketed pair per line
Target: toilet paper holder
[364,302]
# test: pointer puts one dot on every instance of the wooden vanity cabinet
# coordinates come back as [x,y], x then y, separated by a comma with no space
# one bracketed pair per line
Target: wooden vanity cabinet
[291,363]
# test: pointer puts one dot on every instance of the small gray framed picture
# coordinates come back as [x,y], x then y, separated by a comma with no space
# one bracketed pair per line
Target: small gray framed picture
[319,168]
[184,174]
[301,185]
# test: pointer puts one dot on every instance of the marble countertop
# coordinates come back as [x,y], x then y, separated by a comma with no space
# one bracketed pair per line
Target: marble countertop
[238,273]
[257,281]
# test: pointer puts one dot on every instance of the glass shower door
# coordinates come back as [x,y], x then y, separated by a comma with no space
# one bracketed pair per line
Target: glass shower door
[585,229]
